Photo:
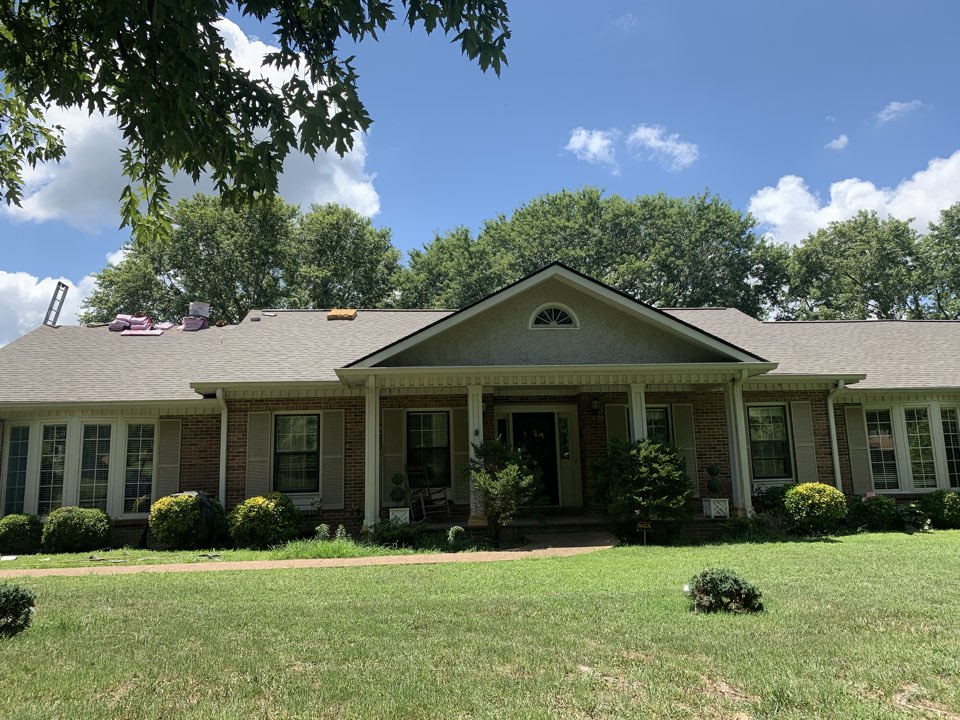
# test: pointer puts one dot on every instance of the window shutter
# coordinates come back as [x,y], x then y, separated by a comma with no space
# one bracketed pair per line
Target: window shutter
[801,418]
[461,455]
[685,440]
[859,449]
[331,467]
[617,426]
[258,453]
[391,452]
[168,458]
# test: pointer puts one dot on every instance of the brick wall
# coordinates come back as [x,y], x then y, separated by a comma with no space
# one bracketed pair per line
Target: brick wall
[843,449]
[199,453]
[352,514]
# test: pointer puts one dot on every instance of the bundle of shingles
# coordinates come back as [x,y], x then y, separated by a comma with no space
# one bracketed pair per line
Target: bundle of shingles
[137,325]
[195,322]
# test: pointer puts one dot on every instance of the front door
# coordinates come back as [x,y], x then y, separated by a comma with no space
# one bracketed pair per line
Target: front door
[536,434]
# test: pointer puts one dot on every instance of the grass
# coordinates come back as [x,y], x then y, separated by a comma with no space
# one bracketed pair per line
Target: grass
[865,627]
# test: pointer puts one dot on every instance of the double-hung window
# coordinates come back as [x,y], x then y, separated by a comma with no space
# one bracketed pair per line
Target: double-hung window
[138,468]
[53,465]
[296,466]
[769,442]
[16,469]
[883,450]
[428,448]
[951,440]
[95,465]
[658,424]
[905,449]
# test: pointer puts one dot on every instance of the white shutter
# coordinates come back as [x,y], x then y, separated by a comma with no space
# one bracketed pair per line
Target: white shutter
[685,440]
[801,417]
[331,466]
[460,437]
[258,453]
[391,452]
[168,458]
[618,428]
[859,449]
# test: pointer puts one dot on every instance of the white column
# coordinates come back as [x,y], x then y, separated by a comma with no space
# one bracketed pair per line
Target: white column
[475,433]
[739,457]
[636,398]
[371,454]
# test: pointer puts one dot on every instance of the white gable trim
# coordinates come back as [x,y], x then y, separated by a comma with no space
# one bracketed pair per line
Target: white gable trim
[666,322]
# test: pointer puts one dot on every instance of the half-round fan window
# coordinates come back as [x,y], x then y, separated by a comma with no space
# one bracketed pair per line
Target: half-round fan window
[553,316]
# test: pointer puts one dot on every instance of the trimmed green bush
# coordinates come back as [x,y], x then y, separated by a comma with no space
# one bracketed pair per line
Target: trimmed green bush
[771,498]
[74,529]
[872,511]
[264,521]
[16,609]
[943,509]
[911,518]
[723,590]
[815,508]
[20,534]
[189,520]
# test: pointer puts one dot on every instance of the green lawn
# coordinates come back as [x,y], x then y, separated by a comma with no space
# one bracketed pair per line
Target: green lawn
[853,627]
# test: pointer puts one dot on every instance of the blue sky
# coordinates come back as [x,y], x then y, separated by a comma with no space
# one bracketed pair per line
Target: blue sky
[742,98]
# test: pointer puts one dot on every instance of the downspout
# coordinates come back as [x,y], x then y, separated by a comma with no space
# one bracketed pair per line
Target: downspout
[223,447]
[832,422]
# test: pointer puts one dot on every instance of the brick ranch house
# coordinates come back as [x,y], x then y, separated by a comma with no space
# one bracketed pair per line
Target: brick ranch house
[330,410]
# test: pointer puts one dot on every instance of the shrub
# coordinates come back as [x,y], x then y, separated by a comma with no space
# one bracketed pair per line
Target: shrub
[455,536]
[74,529]
[943,508]
[322,532]
[264,521]
[16,609]
[911,518]
[771,498]
[815,508]
[392,533]
[188,520]
[341,533]
[20,534]
[872,511]
[504,481]
[643,480]
[722,590]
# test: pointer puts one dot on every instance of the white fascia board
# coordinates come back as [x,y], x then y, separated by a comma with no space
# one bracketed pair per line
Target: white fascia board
[669,323]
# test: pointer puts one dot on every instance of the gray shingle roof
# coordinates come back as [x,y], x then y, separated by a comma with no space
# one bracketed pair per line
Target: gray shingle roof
[891,353]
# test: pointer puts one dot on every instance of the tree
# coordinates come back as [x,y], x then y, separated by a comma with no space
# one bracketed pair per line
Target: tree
[267,256]
[341,260]
[940,253]
[183,105]
[864,267]
[666,251]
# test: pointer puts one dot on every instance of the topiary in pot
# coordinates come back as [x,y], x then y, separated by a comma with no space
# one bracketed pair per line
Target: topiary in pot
[398,493]
[74,529]
[16,609]
[265,521]
[188,520]
[20,534]
[723,590]
[815,508]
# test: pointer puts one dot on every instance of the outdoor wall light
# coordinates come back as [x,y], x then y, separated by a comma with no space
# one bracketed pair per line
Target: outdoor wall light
[595,406]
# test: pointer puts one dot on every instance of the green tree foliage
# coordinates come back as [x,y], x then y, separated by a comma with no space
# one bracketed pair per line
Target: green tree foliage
[183,105]
[864,267]
[940,250]
[666,251]
[502,477]
[270,255]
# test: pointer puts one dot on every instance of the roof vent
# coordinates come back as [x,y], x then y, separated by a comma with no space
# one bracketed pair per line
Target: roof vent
[199,309]
[341,314]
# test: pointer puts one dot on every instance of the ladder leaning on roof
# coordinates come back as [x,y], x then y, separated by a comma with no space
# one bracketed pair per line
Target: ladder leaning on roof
[56,305]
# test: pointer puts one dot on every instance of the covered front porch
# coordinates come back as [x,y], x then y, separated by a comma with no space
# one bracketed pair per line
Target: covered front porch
[421,425]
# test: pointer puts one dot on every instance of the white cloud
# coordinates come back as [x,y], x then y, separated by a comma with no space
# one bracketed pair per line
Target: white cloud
[895,110]
[790,211]
[24,299]
[626,22]
[838,143]
[84,190]
[594,146]
[667,148]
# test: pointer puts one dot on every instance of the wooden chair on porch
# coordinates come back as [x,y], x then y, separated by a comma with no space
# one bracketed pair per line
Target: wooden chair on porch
[428,501]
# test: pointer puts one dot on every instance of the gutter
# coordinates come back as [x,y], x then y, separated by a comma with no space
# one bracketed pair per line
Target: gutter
[223,446]
[832,422]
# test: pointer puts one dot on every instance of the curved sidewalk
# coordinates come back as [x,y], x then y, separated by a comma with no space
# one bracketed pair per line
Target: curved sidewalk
[546,546]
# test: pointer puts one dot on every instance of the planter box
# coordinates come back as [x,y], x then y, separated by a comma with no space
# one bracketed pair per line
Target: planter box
[716,507]
[400,515]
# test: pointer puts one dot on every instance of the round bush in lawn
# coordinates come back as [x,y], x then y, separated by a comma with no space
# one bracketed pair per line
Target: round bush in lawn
[20,534]
[16,609]
[943,508]
[187,520]
[722,590]
[264,521]
[872,511]
[74,529]
[815,508]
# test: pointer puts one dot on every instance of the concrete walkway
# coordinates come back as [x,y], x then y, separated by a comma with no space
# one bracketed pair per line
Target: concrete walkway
[541,546]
